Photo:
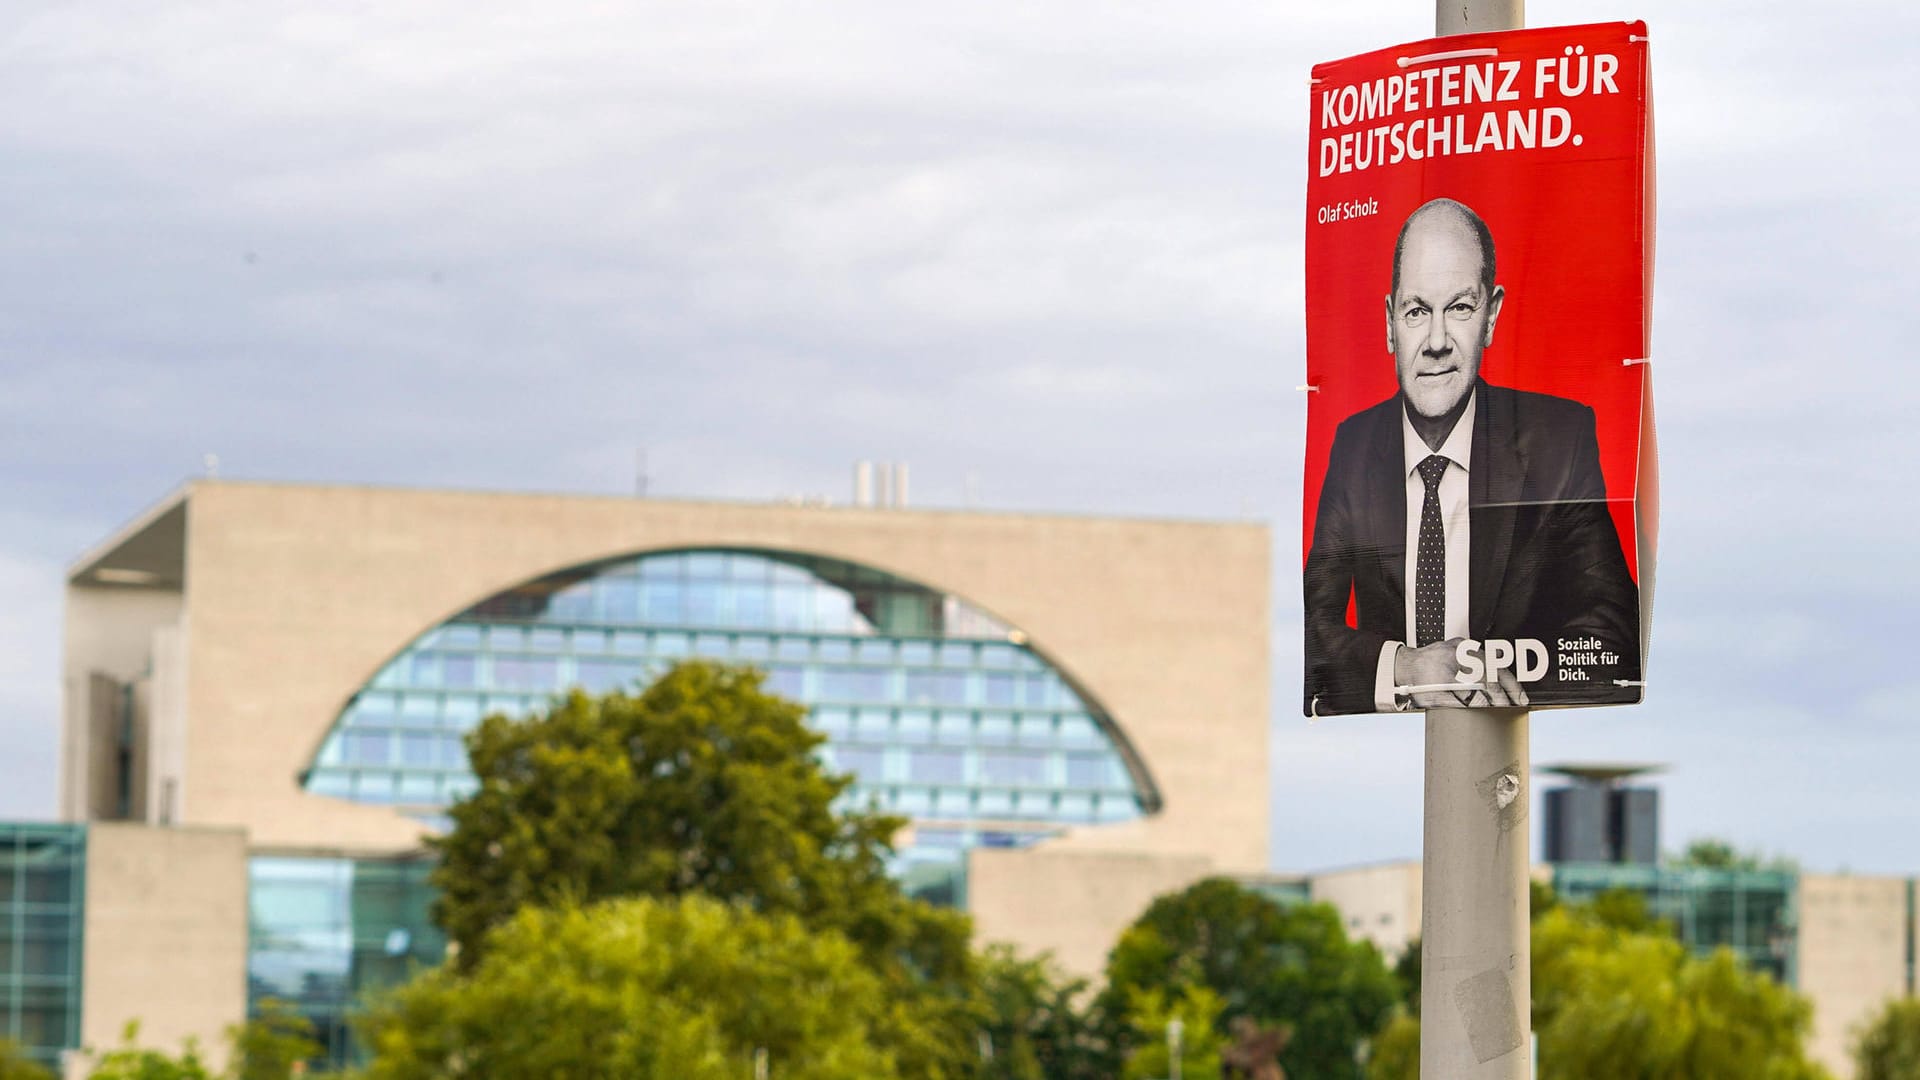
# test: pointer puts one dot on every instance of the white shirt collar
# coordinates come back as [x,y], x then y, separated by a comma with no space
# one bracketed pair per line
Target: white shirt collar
[1459,445]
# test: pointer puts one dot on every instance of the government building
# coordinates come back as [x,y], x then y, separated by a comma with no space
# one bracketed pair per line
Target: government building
[266,686]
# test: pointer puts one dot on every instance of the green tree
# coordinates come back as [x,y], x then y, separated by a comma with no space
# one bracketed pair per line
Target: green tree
[1708,853]
[1625,909]
[1274,964]
[1034,1027]
[688,989]
[268,1046]
[130,1061]
[1394,1054]
[701,784]
[1616,996]
[1887,1047]
[1151,1012]
[16,1065]
[1610,1002]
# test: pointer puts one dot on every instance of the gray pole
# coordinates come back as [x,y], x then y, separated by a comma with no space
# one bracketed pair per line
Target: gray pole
[1476,973]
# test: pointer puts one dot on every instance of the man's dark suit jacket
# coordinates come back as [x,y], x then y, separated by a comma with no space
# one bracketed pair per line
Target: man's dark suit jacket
[1545,560]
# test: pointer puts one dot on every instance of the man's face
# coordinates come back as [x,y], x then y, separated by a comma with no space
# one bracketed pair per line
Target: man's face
[1442,318]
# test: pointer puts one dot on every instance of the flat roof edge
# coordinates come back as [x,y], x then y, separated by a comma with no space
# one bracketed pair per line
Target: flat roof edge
[120,537]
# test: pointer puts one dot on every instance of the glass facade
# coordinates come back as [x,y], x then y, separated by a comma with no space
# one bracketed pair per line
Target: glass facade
[42,902]
[1752,912]
[322,932]
[940,711]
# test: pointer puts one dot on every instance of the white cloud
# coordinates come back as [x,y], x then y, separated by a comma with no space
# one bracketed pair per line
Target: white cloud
[1053,246]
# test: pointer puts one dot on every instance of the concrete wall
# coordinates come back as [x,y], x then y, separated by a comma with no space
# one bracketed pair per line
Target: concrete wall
[299,594]
[1380,903]
[1073,903]
[109,631]
[1852,955]
[166,935]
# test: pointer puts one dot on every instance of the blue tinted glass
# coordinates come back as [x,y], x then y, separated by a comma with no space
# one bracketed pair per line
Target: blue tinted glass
[367,747]
[752,607]
[660,603]
[703,603]
[866,762]
[708,565]
[999,688]
[572,604]
[937,766]
[1086,771]
[619,600]
[600,676]
[526,673]
[787,680]
[915,725]
[663,567]
[879,662]
[419,748]
[458,672]
[1004,767]
[936,687]
[855,684]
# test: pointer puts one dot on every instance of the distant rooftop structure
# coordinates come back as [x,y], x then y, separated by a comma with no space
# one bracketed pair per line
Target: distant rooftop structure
[1601,772]
[1598,818]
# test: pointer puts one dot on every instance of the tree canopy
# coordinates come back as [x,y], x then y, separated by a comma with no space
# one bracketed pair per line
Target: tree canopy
[1276,965]
[1617,997]
[699,785]
[1887,1046]
[689,988]
[1034,1026]
[16,1065]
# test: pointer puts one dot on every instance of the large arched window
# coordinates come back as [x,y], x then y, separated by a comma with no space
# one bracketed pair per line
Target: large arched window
[942,712]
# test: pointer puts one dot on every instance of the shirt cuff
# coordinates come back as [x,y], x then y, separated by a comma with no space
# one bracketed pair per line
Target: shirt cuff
[1384,698]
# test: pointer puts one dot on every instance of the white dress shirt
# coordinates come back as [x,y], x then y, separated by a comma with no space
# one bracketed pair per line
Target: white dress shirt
[1458,450]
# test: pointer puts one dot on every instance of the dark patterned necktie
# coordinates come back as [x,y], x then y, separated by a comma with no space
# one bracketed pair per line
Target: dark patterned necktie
[1430,562]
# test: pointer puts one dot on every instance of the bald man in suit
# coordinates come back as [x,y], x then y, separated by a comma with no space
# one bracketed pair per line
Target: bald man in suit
[1463,519]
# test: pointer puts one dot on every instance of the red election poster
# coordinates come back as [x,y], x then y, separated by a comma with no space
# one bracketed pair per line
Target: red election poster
[1480,502]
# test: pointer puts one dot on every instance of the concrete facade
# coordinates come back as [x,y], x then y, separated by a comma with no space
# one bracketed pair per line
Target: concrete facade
[1855,945]
[166,936]
[240,618]
[1380,903]
[1073,904]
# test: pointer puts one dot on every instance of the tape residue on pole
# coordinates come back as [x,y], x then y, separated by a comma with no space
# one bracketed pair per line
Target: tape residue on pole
[1487,1010]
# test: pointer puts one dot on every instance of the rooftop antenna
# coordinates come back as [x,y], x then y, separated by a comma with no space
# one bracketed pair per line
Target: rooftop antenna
[211,463]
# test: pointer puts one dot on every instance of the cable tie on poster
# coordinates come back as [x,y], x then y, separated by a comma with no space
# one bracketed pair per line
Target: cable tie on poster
[1628,682]
[1313,709]
[1451,54]
[1310,388]
[1642,360]
[1635,39]
[1315,82]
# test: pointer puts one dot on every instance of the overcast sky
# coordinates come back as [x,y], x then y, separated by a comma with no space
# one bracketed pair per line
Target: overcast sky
[1053,248]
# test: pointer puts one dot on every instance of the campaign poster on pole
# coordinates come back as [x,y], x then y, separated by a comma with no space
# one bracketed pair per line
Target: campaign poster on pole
[1480,504]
